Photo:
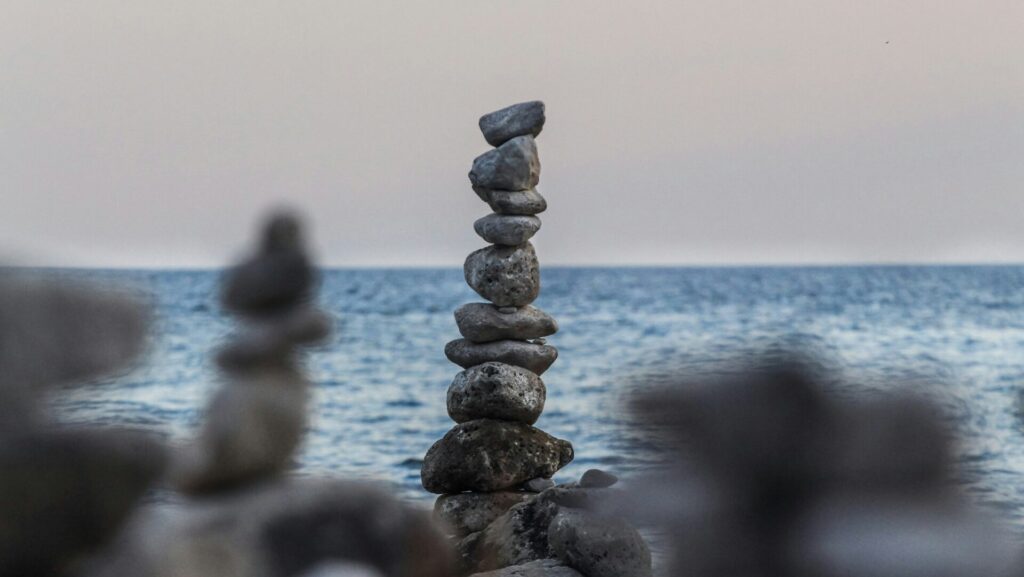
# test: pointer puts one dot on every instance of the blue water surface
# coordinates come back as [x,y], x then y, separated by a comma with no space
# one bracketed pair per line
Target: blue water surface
[957,332]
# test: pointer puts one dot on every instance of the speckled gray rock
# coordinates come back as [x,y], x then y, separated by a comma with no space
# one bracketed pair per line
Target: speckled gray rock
[484,323]
[513,202]
[467,513]
[525,118]
[540,568]
[488,455]
[496,391]
[507,229]
[512,166]
[597,479]
[504,275]
[598,546]
[518,536]
[534,358]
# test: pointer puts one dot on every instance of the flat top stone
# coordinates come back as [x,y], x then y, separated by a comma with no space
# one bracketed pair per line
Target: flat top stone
[500,126]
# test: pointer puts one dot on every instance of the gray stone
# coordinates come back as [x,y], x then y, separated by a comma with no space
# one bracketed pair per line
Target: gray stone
[540,568]
[599,546]
[512,166]
[488,455]
[467,513]
[504,275]
[538,485]
[534,358]
[520,119]
[496,391]
[483,323]
[516,537]
[507,229]
[507,310]
[597,479]
[514,202]
[251,430]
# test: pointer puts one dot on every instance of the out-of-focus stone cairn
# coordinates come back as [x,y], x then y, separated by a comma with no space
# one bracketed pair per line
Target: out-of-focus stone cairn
[241,515]
[64,490]
[778,474]
[494,469]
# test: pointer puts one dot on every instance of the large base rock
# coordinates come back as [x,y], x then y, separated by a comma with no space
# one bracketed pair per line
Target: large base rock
[508,276]
[496,391]
[487,455]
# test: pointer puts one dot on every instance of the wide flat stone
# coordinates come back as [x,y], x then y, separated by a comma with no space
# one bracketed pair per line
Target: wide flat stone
[530,356]
[504,275]
[525,118]
[467,513]
[599,546]
[496,391]
[507,229]
[513,202]
[512,166]
[483,323]
[488,455]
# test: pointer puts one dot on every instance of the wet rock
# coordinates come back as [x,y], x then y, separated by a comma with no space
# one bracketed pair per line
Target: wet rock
[596,478]
[534,358]
[65,492]
[599,546]
[541,568]
[483,323]
[537,485]
[504,275]
[488,455]
[525,118]
[516,537]
[513,202]
[467,513]
[512,166]
[496,391]
[252,428]
[276,278]
[506,229]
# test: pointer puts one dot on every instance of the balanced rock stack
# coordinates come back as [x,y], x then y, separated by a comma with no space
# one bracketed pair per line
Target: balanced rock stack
[257,419]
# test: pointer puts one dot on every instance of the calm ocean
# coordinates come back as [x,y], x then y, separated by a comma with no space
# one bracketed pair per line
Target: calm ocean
[957,332]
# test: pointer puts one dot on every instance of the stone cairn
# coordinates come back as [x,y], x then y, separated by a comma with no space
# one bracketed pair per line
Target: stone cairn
[493,469]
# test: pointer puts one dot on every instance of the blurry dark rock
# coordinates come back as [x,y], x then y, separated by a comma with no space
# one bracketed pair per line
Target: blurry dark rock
[282,529]
[598,546]
[518,536]
[507,229]
[534,358]
[512,166]
[467,513]
[482,323]
[596,478]
[513,202]
[525,118]
[496,391]
[342,569]
[537,485]
[542,568]
[278,277]
[252,428]
[64,492]
[487,455]
[504,275]
[54,333]
[271,341]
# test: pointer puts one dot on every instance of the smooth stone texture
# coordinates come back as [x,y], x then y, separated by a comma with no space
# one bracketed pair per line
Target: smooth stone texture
[504,275]
[488,455]
[510,230]
[534,358]
[524,118]
[483,323]
[599,546]
[496,391]
[512,166]
[252,428]
[467,513]
[538,485]
[597,479]
[540,568]
[513,202]
[518,536]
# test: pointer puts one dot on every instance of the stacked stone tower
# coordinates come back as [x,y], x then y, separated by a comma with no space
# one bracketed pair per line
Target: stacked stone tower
[494,458]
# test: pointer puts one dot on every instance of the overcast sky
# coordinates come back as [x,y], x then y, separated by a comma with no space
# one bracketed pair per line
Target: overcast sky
[144,133]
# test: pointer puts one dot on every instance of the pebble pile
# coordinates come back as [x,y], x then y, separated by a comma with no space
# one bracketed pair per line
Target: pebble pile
[494,468]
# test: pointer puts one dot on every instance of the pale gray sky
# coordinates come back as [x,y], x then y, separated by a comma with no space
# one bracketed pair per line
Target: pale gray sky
[712,131]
